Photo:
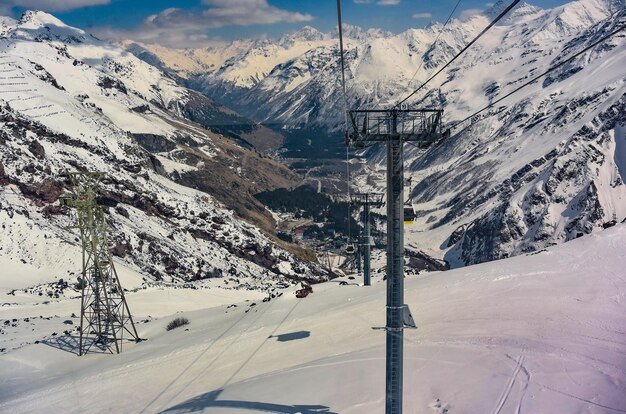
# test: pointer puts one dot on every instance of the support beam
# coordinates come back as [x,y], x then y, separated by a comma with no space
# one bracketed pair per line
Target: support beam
[359,254]
[395,274]
[365,243]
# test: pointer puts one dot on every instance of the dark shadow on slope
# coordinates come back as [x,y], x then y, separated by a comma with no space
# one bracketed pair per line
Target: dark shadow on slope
[209,400]
[70,343]
[291,336]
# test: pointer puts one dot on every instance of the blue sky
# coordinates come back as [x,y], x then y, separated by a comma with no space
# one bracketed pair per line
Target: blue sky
[193,22]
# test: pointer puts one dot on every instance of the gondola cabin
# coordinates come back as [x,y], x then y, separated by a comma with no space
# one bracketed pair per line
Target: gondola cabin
[409,214]
[350,249]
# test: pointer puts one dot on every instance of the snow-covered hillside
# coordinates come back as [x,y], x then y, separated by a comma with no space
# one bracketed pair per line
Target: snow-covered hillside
[539,334]
[71,102]
[544,167]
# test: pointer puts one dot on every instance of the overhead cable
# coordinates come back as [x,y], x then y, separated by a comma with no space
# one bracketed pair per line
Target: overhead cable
[485,30]
[534,79]
[432,46]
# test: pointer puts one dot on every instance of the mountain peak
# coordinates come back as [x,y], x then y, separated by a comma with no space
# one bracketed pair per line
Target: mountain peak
[6,25]
[357,33]
[495,9]
[307,33]
[38,25]
[35,19]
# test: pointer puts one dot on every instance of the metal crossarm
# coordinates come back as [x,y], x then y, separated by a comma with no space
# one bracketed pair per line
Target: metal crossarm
[420,126]
[370,199]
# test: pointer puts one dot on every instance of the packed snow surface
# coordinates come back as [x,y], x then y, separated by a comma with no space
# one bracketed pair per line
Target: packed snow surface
[543,333]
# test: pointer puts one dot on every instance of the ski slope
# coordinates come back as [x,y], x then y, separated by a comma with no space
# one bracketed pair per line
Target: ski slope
[543,333]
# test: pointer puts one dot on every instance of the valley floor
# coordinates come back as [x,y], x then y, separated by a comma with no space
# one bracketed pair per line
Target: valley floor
[544,333]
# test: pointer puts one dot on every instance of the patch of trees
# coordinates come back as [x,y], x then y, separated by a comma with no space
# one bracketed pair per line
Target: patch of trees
[306,202]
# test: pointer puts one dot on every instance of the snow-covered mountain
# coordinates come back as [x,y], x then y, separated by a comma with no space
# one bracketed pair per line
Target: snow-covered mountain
[544,167]
[245,62]
[71,102]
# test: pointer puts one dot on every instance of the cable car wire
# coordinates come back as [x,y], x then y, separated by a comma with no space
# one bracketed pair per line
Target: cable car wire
[345,109]
[485,30]
[534,79]
[432,46]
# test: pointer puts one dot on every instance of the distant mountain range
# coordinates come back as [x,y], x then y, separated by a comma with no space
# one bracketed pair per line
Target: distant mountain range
[545,166]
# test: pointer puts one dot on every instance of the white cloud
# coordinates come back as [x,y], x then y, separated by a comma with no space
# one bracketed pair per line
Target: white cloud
[422,15]
[247,12]
[379,2]
[222,13]
[52,5]
[467,13]
[187,28]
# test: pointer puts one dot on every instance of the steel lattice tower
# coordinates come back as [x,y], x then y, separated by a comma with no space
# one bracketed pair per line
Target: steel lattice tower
[104,313]
[395,127]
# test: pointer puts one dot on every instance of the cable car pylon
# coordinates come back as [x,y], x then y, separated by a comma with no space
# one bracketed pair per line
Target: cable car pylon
[394,126]
[421,127]
[104,313]
[367,201]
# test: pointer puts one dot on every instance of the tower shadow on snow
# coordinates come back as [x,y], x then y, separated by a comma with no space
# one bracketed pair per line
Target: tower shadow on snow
[70,343]
[291,336]
[209,400]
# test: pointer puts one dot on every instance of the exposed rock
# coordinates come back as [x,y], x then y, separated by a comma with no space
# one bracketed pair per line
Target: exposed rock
[456,235]
[121,247]
[421,261]
[107,82]
[53,210]
[140,109]
[122,211]
[154,143]
[4,178]
[50,190]
[37,149]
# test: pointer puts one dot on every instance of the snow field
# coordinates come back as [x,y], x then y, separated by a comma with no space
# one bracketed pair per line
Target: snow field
[542,333]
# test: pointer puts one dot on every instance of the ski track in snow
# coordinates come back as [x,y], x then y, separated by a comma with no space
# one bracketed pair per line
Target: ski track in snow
[509,387]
